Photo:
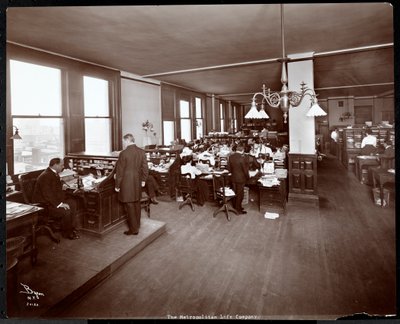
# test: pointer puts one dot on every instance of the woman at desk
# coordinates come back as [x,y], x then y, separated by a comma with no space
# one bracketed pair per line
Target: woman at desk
[369,139]
[200,186]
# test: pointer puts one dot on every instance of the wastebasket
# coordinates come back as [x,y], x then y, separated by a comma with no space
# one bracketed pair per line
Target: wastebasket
[377,197]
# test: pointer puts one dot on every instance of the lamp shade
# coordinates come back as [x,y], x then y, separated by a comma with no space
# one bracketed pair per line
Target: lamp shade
[315,111]
[16,134]
[263,114]
[253,112]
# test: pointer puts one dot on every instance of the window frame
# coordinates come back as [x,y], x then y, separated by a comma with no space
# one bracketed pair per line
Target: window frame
[109,117]
[10,159]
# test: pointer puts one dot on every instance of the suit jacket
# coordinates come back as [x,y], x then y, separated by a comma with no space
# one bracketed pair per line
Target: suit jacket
[239,168]
[131,170]
[48,189]
[389,152]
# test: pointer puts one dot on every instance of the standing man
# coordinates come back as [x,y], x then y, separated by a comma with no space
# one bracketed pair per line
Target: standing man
[48,192]
[239,167]
[131,176]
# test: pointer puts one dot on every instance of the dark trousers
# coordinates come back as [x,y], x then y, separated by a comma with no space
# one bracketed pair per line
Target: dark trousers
[67,216]
[238,188]
[151,186]
[134,212]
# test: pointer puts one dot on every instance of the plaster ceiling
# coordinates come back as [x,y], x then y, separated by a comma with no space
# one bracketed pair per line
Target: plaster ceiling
[148,40]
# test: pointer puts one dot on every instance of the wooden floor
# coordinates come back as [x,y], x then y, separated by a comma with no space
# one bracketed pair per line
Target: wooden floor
[322,263]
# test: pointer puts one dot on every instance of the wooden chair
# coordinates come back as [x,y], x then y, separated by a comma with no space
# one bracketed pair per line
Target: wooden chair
[219,185]
[187,188]
[27,182]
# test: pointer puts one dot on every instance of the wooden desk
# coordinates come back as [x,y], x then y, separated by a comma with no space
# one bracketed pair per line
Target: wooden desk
[364,160]
[269,196]
[274,195]
[382,176]
[18,215]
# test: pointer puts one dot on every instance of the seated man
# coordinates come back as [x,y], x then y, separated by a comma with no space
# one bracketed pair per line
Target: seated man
[48,192]
[389,150]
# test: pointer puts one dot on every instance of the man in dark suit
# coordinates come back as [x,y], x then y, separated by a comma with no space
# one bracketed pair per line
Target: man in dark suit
[48,192]
[239,168]
[131,176]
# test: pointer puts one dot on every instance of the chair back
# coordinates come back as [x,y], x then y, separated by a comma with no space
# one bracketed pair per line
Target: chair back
[27,182]
[369,150]
[186,183]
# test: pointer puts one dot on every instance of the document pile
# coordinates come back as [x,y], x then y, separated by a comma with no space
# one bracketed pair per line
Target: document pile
[271,215]
[228,191]
[269,180]
[281,173]
[14,209]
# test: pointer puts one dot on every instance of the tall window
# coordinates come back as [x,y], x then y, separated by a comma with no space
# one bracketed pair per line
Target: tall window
[36,110]
[169,134]
[222,116]
[234,119]
[97,115]
[199,118]
[184,113]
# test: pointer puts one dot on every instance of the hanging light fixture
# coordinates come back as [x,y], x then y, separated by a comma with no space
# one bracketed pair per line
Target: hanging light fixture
[286,98]
[262,112]
[254,113]
[16,134]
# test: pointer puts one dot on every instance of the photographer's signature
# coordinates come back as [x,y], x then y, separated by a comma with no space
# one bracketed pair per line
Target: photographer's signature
[32,295]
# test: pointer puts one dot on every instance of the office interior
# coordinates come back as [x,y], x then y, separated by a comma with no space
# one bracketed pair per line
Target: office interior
[318,237]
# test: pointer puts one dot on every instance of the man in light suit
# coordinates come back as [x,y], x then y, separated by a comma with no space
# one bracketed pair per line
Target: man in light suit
[239,167]
[131,176]
[49,193]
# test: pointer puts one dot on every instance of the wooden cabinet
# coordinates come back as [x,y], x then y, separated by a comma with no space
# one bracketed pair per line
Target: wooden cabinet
[97,164]
[303,176]
[352,138]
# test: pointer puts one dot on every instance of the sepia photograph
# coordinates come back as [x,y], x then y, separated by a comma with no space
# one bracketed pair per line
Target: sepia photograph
[209,161]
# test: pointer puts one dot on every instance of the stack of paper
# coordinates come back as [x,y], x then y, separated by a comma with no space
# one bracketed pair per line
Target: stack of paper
[271,215]
[15,209]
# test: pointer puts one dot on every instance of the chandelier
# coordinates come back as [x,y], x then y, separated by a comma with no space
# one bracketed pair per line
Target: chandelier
[285,98]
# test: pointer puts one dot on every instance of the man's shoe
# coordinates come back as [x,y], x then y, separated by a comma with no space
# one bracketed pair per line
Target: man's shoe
[73,236]
[242,212]
[154,201]
[131,233]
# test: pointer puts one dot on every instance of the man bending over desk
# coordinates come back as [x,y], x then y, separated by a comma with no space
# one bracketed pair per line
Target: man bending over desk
[48,192]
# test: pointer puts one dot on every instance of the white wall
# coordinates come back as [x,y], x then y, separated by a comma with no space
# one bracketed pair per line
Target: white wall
[301,127]
[140,101]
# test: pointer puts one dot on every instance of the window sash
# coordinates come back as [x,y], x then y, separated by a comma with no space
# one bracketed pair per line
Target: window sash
[42,140]
[35,89]
[95,96]
[98,134]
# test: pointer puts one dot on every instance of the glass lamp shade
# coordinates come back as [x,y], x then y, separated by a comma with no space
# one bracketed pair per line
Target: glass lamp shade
[315,111]
[16,135]
[253,112]
[263,114]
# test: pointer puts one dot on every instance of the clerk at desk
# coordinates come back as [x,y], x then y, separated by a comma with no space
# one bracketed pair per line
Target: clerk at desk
[48,192]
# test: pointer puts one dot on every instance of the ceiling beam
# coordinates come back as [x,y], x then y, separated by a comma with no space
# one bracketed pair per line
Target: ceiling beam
[272,60]
[213,67]
[355,86]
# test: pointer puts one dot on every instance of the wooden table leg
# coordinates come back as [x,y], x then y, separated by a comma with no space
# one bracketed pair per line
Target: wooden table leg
[34,251]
